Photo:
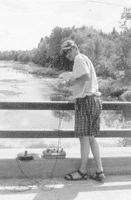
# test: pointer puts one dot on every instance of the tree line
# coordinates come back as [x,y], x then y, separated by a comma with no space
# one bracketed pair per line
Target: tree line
[110,53]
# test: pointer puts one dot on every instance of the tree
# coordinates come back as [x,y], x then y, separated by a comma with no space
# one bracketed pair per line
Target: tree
[126,19]
[41,53]
[55,41]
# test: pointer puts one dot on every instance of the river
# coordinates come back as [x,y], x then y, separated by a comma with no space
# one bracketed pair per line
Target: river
[20,86]
[17,84]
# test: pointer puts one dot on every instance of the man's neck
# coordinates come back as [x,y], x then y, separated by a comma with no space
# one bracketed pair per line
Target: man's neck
[77,52]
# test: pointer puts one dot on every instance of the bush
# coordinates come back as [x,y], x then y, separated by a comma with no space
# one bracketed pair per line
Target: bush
[124,142]
[105,86]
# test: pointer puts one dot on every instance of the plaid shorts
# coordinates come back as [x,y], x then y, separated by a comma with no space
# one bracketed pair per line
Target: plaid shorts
[87,116]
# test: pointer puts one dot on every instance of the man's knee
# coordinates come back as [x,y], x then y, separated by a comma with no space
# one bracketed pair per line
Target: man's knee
[91,139]
[84,138]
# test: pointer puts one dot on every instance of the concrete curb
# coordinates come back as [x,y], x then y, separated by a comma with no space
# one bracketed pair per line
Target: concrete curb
[116,161]
[45,168]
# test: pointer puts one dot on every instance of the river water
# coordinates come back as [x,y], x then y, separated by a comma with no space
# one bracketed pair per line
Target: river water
[18,85]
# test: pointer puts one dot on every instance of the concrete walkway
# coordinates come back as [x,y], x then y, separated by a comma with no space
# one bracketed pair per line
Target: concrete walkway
[116,161]
[114,188]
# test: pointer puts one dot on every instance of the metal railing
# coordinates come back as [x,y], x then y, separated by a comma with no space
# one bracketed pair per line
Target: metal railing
[39,133]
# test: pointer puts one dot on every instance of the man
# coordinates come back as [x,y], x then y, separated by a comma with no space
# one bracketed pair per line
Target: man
[87,110]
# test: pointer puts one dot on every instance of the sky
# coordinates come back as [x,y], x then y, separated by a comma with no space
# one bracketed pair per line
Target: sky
[24,22]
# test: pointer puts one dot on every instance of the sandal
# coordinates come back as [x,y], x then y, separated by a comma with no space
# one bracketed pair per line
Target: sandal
[83,176]
[98,176]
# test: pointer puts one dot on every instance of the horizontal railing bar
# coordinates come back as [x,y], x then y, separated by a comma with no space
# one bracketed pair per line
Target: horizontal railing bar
[36,133]
[115,105]
[57,105]
[59,133]
[53,105]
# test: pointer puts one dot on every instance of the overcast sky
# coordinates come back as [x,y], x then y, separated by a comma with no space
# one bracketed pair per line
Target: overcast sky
[24,22]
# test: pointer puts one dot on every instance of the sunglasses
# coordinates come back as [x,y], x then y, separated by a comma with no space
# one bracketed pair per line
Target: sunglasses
[66,52]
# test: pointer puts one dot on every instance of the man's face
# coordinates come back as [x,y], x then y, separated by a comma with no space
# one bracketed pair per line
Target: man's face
[70,54]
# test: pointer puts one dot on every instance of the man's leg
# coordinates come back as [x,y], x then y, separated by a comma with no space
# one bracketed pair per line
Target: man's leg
[84,150]
[96,153]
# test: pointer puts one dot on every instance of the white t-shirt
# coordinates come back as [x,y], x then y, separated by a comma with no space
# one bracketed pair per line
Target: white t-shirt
[83,65]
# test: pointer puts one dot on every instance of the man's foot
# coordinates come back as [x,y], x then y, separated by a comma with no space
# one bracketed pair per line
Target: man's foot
[98,176]
[76,176]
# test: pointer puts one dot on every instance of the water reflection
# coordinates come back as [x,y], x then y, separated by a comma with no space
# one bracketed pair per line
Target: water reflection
[61,94]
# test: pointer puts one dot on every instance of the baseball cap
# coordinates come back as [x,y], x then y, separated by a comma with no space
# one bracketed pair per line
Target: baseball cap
[68,44]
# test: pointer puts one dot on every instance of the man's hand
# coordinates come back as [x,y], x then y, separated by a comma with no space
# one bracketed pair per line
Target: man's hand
[72,81]
[71,99]
[61,83]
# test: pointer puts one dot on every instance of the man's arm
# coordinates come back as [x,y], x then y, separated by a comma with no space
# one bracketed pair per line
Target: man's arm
[80,80]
